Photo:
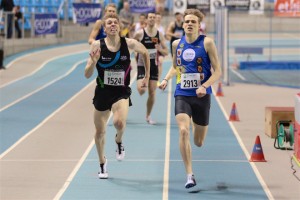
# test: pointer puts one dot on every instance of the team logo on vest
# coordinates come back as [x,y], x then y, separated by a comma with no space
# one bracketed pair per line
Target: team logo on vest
[181,45]
[199,68]
[154,40]
[178,61]
[189,55]
[179,51]
[199,60]
[123,58]
[105,58]
[202,76]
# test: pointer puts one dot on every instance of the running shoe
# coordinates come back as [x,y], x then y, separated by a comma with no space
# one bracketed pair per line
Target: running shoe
[150,121]
[191,182]
[120,151]
[103,174]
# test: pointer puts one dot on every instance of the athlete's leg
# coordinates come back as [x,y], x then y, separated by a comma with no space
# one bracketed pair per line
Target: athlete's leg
[199,134]
[183,122]
[160,61]
[140,87]
[120,112]
[151,96]
[100,121]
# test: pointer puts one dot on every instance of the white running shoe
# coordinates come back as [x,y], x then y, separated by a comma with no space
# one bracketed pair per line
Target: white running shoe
[191,182]
[150,121]
[120,152]
[103,174]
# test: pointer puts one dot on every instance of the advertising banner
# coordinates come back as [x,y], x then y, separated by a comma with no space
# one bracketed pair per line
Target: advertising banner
[287,8]
[86,12]
[45,23]
[202,5]
[256,7]
[179,6]
[142,6]
[215,4]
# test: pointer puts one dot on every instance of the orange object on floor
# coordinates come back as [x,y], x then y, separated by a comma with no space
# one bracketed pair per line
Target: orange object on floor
[219,91]
[233,114]
[257,152]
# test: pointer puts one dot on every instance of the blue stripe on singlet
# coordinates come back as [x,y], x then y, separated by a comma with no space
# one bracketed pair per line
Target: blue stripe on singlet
[115,60]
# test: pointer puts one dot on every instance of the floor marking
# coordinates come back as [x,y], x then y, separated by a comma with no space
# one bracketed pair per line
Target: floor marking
[238,74]
[44,86]
[44,121]
[167,148]
[82,159]
[36,70]
[127,160]
[257,173]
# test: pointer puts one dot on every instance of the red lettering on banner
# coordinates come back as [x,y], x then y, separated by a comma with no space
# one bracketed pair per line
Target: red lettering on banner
[287,8]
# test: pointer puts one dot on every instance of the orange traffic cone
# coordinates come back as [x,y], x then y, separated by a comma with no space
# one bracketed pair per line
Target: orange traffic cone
[233,114]
[219,91]
[257,152]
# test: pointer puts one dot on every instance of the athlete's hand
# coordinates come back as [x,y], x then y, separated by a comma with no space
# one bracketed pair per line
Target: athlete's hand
[163,84]
[201,92]
[95,50]
[145,82]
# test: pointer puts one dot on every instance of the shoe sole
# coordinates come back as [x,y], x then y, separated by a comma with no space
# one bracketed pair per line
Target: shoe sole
[190,185]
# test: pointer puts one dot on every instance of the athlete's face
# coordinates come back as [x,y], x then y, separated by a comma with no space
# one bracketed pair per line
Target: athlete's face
[151,19]
[112,26]
[191,24]
[110,10]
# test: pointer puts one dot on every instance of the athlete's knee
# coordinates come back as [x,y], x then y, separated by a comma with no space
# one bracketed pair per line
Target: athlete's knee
[184,133]
[99,134]
[141,90]
[198,143]
[119,124]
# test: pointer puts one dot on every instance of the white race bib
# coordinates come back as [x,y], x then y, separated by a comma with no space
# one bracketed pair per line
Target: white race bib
[114,78]
[190,80]
[152,53]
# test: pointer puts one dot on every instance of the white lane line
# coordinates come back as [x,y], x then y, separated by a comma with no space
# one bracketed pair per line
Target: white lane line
[127,160]
[165,195]
[257,173]
[44,86]
[41,66]
[238,74]
[81,160]
[43,122]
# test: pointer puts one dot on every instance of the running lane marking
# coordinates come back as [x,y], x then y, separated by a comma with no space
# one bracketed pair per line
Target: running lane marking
[167,148]
[42,123]
[81,160]
[238,74]
[42,87]
[235,132]
[41,66]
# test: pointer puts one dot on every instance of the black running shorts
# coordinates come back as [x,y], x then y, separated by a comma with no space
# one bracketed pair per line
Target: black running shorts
[197,108]
[153,73]
[105,97]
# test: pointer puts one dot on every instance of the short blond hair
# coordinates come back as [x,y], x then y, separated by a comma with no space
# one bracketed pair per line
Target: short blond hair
[110,5]
[109,15]
[193,11]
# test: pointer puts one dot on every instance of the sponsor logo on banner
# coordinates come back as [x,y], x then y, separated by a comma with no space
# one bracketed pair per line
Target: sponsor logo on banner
[142,6]
[45,23]
[215,4]
[86,12]
[179,6]
[202,5]
[256,7]
[287,8]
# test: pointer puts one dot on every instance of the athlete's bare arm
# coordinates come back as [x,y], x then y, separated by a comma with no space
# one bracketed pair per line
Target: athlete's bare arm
[170,30]
[141,49]
[174,47]
[139,35]
[95,51]
[95,31]
[162,48]
[211,50]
